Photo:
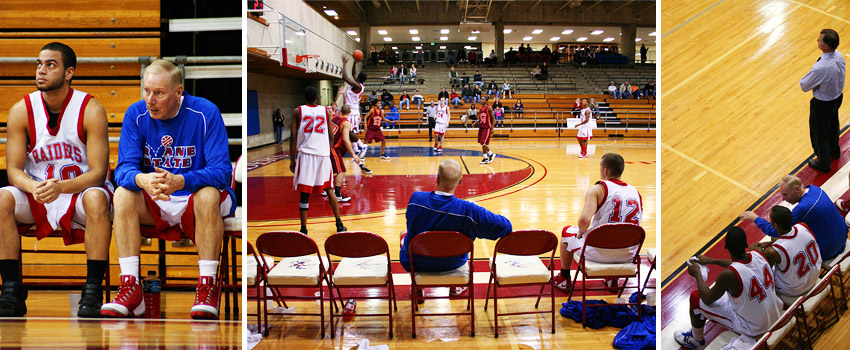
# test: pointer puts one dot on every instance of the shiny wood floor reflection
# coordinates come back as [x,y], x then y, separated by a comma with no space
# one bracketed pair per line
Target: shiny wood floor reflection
[48,325]
[550,198]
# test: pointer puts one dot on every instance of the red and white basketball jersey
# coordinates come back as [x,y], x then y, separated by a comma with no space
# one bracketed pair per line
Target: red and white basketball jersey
[800,261]
[442,115]
[313,131]
[60,152]
[622,204]
[585,115]
[756,303]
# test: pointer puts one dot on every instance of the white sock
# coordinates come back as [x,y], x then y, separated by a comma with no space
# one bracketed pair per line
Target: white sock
[490,153]
[208,267]
[698,334]
[130,266]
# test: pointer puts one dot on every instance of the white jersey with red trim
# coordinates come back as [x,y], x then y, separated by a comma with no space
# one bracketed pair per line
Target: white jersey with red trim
[441,122]
[799,261]
[622,203]
[353,101]
[756,303]
[313,131]
[56,153]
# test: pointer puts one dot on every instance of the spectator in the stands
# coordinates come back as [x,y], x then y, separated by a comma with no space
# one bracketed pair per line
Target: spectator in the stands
[506,89]
[643,52]
[451,61]
[372,97]
[461,55]
[418,99]
[544,70]
[518,108]
[510,56]
[470,116]
[373,56]
[404,100]
[443,94]
[612,89]
[492,89]
[466,94]
[476,94]
[546,50]
[625,90]
[536,73]
[420,59]
[402,73]
[478,80]
[521,48]
[386,99]
[576,107]
[594,107]
[464,80]
[498,113]
[393,72]
[392,116]
[649,90]
[636,93]
[493,59]
[455,98]
[383,55]
[453,79]
[413,73]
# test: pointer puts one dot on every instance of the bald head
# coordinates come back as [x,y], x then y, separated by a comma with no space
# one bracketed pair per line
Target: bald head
[449,175]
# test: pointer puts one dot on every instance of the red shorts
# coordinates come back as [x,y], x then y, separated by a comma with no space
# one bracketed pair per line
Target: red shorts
[175,219]
[584,138]
[374,135]
[337,164]
[484,136]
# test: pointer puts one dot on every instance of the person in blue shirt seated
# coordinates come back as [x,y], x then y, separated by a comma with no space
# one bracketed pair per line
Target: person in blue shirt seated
[440,210]
[174,175]
[815,209]
[391,117]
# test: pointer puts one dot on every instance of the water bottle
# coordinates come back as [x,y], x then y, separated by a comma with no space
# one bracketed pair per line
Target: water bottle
[152,289]
[348,310]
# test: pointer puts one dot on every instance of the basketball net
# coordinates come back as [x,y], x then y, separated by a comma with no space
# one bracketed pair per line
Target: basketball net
[309,62]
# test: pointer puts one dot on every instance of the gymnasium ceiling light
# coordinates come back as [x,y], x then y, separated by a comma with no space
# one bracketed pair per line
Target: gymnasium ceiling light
[537,31]
[331,13]
[415,38]
[608,39]
[444,38]
[388,39]
[444,31]
[582,38]
[382,32]
[567,31]
[414,31]
[637,39]
[652,34]
[555,38]
[352,33]
[472,38]
[527,38]
[597,32]
[507,31]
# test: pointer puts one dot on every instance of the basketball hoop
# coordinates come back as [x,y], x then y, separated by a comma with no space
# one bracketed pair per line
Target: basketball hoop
[310,62]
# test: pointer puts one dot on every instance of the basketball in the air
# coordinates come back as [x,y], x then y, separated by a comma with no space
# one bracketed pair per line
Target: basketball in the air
[358,55]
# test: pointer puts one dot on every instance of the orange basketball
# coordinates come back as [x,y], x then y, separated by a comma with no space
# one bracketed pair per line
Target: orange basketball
[358,55]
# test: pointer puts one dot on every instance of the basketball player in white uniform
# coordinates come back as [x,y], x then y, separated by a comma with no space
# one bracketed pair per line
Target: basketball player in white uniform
[742,299]
[608,201]
[585,129]
[794,255]
[352,99]
[310,154]
[57,157]
[441,123]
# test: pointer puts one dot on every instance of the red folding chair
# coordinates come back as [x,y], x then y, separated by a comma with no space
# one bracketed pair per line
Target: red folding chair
[442,244]
[785,333]
[519,265]
[256,278]
[820,305]
[301,267]
[365,264]
[609,236]
[650,256]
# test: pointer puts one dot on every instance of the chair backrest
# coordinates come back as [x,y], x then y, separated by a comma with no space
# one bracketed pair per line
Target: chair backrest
[440,244]
[286,244]
[615,236]
[356,244]
[527,242]
[238,171]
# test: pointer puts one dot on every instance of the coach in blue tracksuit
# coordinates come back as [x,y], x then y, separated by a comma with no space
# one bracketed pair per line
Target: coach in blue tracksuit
[174,175]
[813,208]
[440,210]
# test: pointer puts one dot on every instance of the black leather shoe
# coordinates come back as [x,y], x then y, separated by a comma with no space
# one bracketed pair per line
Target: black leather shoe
[13,300]
[91,299]
[817,167]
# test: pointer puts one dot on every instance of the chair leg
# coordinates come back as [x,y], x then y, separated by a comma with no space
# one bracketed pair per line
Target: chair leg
[552,296]
[234,276]
[472,304]
[322,309]
[390,300]
[573,285]
[392,290]
[496,309]
[414,296]
[487,296]
[332,312]
[623,288]
[583,302]
[539,296]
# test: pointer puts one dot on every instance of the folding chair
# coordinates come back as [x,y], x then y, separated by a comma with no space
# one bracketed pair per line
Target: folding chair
[255,273]
[442,244]
[785,333]
[609,236]
[228,267]
[650,256]
[519,265]
[842,276]
[817,306]
[365,264]
[301,267]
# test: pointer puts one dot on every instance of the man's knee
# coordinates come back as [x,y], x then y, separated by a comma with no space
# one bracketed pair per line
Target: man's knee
[96,204]
[7,204]
[125,200]
[207,197]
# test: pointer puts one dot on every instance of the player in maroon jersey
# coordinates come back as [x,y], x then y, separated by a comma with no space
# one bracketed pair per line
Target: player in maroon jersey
[341,126]
[485,131]
[374,119]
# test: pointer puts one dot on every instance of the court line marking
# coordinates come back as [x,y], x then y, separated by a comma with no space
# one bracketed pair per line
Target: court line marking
[819,11]
[710,169]
[721,57]
[691,19]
